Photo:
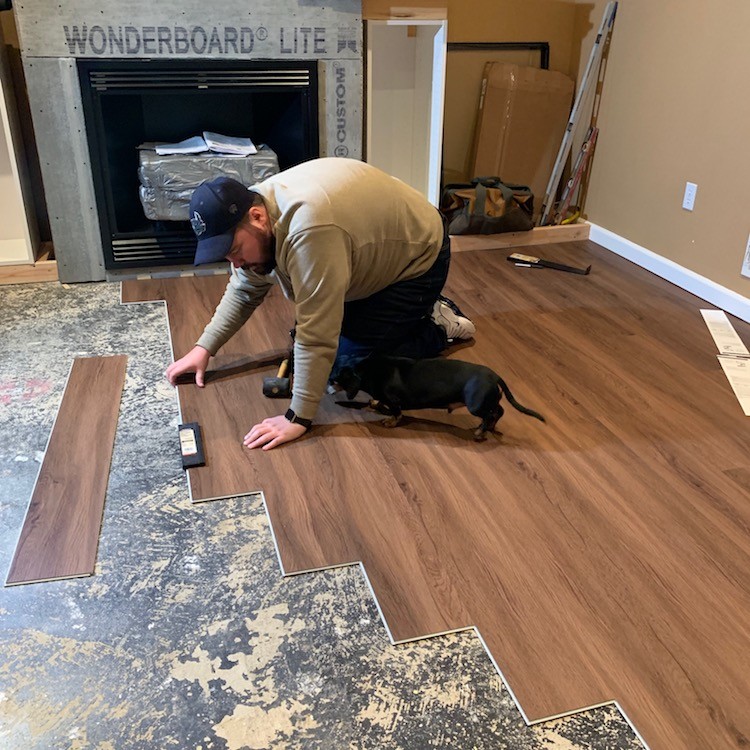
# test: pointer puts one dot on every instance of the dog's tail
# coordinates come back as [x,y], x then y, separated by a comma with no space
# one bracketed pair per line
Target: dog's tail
[512,401]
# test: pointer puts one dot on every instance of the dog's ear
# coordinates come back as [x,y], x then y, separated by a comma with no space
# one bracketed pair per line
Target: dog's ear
[350,381]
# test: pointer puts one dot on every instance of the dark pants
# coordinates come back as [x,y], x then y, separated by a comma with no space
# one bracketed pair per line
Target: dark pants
[396,320]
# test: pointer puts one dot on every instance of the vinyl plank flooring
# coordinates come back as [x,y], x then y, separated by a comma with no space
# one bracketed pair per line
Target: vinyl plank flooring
[602,556]
[60,534]
[193,299]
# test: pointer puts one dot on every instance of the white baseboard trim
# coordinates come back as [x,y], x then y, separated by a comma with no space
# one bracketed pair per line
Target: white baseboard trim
[700,286]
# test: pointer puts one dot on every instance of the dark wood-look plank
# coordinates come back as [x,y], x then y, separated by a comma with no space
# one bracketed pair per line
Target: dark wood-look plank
[603,556]
[192,300]
[60,533]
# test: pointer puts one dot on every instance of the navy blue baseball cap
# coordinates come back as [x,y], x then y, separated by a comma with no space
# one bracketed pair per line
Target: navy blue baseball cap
[216,208]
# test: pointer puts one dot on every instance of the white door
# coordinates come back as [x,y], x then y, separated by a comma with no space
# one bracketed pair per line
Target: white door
[15,238]
[405,96]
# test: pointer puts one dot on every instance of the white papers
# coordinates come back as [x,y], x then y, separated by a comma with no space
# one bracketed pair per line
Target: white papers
[188,146]
[734,357]
[214,142]
[737,370]
[224,144]
[726,338]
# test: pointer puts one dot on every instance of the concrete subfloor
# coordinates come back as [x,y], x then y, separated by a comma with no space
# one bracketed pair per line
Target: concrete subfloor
[187,636]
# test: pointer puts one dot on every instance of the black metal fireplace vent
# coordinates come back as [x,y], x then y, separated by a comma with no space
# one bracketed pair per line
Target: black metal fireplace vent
[130,102]
[198,79]
[152,251]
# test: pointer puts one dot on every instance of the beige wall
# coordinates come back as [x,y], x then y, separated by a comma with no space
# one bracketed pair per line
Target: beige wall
[496,21]
[550,21]
[511,21]
[675,108]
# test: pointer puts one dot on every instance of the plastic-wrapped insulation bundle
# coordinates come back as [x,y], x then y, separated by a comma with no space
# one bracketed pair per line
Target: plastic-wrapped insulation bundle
[168,181]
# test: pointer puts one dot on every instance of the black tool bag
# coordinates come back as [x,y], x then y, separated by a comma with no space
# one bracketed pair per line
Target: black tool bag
[487,205]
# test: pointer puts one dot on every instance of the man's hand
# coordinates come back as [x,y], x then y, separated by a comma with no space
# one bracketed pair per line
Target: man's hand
[272,432]
[196,360]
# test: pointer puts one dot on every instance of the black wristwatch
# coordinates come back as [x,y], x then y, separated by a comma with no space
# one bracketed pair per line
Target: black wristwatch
[294,419]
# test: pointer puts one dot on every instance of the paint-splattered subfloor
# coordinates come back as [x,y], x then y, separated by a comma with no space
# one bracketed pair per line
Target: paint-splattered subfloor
[187,636]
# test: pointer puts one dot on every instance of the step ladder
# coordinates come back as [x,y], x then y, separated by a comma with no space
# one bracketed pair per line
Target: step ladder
[605,29]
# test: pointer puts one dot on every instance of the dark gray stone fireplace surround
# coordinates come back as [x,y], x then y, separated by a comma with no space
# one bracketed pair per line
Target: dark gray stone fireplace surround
[55,37]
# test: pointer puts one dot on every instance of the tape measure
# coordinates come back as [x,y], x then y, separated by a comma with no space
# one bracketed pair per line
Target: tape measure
[191,445]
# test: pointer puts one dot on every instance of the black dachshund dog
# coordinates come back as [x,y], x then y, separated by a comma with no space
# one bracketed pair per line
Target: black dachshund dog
[397,384]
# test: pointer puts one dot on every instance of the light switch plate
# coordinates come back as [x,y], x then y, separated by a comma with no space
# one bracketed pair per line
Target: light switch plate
[746,262]
[688,200]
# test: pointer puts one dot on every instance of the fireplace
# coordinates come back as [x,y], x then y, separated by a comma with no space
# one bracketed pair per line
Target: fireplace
[104,76]
[129,102]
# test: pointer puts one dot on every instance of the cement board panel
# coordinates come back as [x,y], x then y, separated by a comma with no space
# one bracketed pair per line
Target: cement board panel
[57,112]
[341,95]
[275,29]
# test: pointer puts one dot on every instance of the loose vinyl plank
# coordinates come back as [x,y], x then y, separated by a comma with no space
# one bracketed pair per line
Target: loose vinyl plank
[60,533]
[602,556]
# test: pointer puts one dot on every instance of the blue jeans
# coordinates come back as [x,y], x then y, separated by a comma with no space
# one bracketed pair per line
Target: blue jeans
[396,320]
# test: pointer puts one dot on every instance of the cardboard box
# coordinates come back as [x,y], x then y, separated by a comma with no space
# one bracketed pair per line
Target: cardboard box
[522,116]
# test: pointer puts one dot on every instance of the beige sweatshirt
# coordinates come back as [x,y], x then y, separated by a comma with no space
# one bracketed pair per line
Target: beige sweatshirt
[344,230]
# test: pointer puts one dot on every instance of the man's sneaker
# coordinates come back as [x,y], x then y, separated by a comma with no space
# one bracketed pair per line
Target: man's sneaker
[449,317]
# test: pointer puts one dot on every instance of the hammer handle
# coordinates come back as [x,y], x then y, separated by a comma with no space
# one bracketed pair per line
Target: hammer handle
[283,367]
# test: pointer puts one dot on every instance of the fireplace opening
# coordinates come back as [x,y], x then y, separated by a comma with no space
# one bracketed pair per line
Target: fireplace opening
[130,102]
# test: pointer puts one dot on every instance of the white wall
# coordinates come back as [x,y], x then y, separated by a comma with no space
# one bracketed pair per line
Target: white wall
[15,244]
[405,92]
[391,92]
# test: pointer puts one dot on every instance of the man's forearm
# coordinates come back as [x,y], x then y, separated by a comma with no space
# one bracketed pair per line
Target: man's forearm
[236,306]
[312,367]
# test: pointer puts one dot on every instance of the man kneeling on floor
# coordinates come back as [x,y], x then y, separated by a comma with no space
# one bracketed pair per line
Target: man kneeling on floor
[363,256]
